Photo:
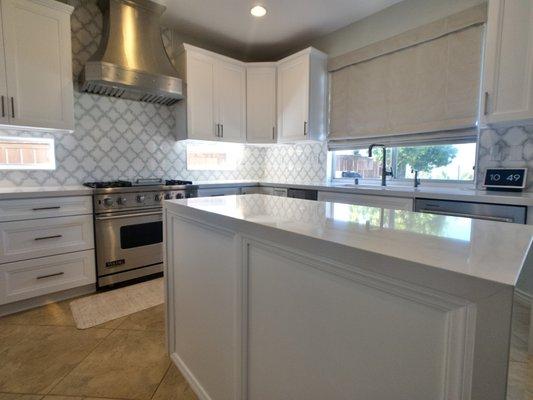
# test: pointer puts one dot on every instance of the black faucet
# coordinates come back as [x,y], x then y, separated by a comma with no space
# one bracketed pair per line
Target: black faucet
[416,181]
[384,172]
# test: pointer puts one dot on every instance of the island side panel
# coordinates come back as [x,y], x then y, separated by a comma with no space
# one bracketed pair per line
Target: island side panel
[204,337]
[316,330]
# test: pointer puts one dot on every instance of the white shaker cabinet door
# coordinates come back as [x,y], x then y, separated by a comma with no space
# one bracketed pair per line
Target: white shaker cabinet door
[38,61]
[261,103]
[230,94]
[4,115]
[200,96]
[508,70]
[293,98]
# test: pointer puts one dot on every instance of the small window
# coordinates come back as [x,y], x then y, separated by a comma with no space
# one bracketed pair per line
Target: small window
[26,153]
[213,156]
[438,163]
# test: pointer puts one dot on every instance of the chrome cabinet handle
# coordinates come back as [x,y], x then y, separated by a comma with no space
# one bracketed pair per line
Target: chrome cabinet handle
[221,130]
[48,237]
[217,134]
[305,128]
[486,104]
[50,275]
[273,132]
[12,107]
[46,208]
[3,107]
[474,216]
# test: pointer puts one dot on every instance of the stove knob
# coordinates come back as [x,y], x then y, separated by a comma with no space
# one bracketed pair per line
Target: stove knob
[168,196]
[140,199]
[108,201]
[158,197]
[179,195]
[122,201]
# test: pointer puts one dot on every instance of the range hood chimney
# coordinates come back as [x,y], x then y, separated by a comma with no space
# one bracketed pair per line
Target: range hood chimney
[131,62]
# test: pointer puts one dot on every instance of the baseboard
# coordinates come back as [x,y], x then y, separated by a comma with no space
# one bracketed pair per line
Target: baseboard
[523,298]
[189,377]
[34,302]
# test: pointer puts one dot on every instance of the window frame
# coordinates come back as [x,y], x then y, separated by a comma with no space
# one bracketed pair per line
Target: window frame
[28,167]
[403,181]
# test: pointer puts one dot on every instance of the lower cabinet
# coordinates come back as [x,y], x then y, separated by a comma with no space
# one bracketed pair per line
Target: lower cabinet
[31,278]
[398,203]
[46,246]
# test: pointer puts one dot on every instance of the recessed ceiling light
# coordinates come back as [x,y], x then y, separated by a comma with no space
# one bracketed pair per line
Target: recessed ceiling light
[258,11]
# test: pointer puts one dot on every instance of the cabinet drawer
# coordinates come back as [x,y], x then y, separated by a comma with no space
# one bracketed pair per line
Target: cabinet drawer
[21,240]
[21,209]
[25,279]
[395,203]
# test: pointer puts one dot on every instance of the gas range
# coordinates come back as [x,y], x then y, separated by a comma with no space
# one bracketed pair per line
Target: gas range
[143,193]
[128,226]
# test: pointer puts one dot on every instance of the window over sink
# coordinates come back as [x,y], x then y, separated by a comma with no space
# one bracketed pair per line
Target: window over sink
[444,163]
[24,153]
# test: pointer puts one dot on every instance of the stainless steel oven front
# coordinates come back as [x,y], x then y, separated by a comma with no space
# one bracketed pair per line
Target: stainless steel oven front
[129,245]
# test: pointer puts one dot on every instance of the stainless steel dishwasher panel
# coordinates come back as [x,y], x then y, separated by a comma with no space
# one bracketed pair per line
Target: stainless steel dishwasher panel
[490,212]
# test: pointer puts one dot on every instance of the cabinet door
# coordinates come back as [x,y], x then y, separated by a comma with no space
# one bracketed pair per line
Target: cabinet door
[261,104]
[396,203]
[4,119]
[508,76]
[230,94]
[38,64]
[293,98]
[200,96]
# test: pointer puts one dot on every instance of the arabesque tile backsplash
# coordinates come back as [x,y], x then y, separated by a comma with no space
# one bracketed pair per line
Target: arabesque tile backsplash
[121,139]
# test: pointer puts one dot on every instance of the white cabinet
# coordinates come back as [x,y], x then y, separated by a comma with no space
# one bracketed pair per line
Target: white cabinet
[508,70]
[46,246]
[215,108]
[36,65]
[261,102]
[302,96]
[397,203]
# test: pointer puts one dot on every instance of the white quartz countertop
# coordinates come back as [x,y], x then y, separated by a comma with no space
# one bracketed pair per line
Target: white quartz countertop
[22,192]
[487,250]
[464,193]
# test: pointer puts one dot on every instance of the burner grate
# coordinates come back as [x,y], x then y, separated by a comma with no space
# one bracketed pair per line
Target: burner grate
[108,184]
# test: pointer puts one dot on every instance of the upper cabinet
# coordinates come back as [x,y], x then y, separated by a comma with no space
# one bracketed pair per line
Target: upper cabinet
[215,105]
[302,96]
[508,70]
[36,65]
[261,103]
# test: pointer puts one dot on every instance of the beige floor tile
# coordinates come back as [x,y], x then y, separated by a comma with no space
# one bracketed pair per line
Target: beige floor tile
[43,355]
[126,365]
[56,314]
[151,319]
[54,397]
[13,396]
[174,387]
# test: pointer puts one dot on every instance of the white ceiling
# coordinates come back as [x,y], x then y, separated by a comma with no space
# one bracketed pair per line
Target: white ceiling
[288,25]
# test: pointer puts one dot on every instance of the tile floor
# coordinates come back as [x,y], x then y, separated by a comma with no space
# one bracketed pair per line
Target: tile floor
[44,357]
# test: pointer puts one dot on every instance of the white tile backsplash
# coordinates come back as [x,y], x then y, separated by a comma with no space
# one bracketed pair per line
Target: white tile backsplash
[121,139]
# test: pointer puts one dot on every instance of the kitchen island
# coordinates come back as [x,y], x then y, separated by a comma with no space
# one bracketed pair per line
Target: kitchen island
[280,298]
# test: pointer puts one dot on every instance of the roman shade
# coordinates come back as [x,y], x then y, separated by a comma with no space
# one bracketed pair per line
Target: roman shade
[419,87]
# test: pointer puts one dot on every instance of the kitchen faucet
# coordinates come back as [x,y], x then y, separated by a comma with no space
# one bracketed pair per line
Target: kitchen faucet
[384,172]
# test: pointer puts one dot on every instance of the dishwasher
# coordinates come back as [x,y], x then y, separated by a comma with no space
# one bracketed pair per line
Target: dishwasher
[489,212]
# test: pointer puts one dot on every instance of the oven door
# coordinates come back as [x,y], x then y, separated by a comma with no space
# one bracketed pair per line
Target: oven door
[130,240]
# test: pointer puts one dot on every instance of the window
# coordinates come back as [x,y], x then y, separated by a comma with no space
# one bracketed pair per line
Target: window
[214,156]
[26,153]
[444,163]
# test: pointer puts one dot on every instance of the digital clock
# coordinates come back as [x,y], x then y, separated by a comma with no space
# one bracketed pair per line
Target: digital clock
[512,179]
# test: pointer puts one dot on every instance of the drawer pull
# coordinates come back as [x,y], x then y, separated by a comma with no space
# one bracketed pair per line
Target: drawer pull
[50,275]
[46,208]
[49,237]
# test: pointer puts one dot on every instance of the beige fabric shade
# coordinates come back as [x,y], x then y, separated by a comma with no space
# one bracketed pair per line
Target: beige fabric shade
[425,81]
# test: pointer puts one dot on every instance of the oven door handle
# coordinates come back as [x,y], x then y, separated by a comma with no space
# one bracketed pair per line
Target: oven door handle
[129,215]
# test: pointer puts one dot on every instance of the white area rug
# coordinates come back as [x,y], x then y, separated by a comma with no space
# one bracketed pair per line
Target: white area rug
[103,307]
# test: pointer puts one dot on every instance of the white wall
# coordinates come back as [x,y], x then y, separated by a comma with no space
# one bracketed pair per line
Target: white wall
[393,20]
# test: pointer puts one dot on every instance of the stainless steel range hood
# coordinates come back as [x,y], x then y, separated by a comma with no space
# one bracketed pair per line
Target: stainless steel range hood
[131,62]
